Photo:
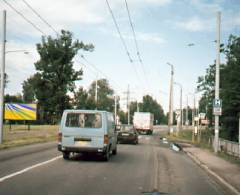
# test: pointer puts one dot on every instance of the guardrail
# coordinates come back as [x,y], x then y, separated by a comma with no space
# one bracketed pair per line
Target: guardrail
[229,147]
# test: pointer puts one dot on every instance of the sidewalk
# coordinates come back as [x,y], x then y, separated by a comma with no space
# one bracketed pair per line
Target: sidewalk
[225,172]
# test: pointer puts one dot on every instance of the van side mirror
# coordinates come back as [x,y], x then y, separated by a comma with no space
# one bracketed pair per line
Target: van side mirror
[117,127]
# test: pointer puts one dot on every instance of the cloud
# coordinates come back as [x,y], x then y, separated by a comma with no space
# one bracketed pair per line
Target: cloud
[157,2]
[60,14]
[206,7]
[69,14]
[19,66]
[193,24]
[144,37]
[151,37]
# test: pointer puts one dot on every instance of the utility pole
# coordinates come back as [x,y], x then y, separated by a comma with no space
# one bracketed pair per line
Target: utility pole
[128,106]
[96,92]
[115,109]
[217,76]
[181,109]
[187,112]
[137,107]
[239,136]
[170,118]
[2,75]
[194,106]
[181,112]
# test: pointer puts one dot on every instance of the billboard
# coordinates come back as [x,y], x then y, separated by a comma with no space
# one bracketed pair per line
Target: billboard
[20,111]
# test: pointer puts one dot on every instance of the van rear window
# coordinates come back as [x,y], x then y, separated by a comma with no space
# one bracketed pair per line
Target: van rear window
[84,120]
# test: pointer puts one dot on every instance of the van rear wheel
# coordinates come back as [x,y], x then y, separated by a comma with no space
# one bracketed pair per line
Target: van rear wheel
[66,155]
[114,152]
[106,156]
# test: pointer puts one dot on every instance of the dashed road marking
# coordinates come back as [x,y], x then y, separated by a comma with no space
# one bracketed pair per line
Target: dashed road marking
[29,168]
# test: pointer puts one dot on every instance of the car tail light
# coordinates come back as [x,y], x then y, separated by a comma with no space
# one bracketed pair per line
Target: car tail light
[106,139]
[59,137]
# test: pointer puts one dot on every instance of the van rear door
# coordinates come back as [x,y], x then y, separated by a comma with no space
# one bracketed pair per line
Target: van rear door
[83,130]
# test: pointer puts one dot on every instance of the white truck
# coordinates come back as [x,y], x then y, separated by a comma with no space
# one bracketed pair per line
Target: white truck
[143,122]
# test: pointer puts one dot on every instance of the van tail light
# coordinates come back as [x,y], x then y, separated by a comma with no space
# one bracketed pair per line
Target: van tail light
[59,137]
[106,139]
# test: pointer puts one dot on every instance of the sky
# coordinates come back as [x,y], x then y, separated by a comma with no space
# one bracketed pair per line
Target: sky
[163,29]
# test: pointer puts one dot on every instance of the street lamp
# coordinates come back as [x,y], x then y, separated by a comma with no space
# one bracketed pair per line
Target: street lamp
[194,107]
[170,118]
[19,50]
[2,74]
[181,112]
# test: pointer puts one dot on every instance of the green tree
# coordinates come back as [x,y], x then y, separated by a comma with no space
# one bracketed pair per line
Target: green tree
[123,116]
[81,99]
[105,99]
[28,88]
[133,108]
[55,75]
[206,84]
[13,98]
[230,89]
[151,105]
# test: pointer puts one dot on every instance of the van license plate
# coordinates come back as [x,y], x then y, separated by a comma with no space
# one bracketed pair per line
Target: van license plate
[125,134]
[81,143]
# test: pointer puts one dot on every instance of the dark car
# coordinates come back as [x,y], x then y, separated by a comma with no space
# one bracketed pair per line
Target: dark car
[127,134]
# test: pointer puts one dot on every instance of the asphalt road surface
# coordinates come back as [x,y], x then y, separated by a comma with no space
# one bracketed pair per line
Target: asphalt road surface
[148,166]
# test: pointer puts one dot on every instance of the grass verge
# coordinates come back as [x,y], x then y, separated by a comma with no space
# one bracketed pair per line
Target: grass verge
[185,136]
[19,135]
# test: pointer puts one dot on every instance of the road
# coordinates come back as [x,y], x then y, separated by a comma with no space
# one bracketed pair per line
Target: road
[134,170]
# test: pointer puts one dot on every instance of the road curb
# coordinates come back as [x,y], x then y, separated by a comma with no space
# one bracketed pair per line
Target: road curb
[209,171]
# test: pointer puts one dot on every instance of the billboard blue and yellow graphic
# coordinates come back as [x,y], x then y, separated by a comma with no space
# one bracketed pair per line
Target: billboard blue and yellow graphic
[20,111]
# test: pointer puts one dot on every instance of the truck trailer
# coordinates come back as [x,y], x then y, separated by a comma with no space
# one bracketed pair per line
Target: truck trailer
[143,122]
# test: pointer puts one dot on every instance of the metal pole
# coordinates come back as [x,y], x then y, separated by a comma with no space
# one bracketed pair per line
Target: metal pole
[193,116]
[170,119]
[180,104]
[96,92]
[194,109]
[181,109]
[187,112]
[137,107]
[217,76]
[239,137]
[128,109]
[2,75]
[115,108]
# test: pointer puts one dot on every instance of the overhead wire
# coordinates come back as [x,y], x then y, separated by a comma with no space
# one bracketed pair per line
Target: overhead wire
[24,17]
[119,32]
[99,71]
[135,41]
[49,25]
[122,39]
[44,20]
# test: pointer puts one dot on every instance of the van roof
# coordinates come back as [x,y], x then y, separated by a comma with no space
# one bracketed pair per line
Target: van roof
[85,111]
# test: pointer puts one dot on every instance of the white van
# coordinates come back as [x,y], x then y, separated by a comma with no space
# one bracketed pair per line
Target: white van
[84,131]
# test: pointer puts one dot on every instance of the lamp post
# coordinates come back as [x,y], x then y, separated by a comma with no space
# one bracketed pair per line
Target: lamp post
[186,122]
[194,107]
[19,50]
[217,78]
[2,74]
[170,118]
[181,112]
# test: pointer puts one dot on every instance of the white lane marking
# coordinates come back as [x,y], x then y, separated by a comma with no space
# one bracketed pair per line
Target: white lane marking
[28,168]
